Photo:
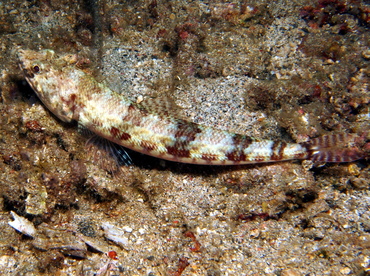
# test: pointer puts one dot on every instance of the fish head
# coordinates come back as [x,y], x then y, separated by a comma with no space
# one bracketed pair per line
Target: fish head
[47,74]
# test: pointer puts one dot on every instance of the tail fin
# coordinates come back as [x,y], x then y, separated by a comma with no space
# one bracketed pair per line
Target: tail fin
[337,148]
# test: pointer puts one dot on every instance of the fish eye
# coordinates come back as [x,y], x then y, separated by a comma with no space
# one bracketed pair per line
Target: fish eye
[36,69]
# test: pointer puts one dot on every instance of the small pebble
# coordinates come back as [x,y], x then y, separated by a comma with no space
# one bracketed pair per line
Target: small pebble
[366,54]
[345,270]
[290,272]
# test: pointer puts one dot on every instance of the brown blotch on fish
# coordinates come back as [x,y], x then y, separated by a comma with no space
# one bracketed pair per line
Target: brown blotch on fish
[134,109]
[115,132]
[148,146]
[236,156]
[73,104]
[209,157]
[72,97]
[95,122]
[125,136]
[135,115]
[240,142]
[303,155]
[188,130]
[178,152]
[260,159]
[184,134]
[279,147]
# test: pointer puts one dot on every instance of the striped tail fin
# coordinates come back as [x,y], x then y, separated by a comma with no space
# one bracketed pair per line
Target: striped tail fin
[337,148]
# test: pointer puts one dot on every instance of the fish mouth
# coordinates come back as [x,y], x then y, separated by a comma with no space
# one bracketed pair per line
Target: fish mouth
[23,66]
[21,57]
[27,73]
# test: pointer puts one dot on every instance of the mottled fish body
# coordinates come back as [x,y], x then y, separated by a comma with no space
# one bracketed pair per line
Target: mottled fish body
[73,95]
